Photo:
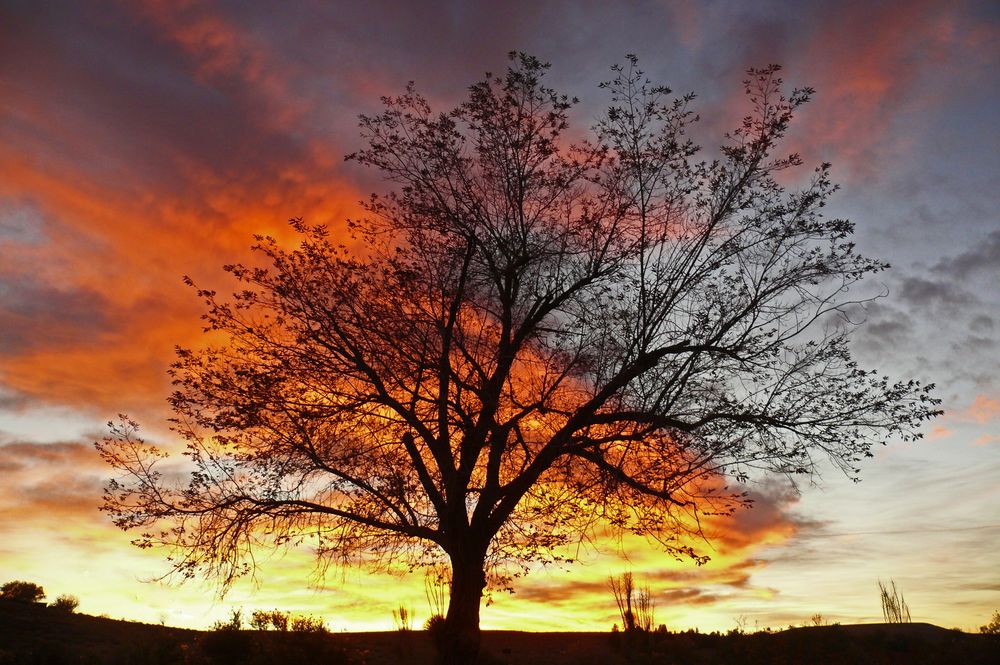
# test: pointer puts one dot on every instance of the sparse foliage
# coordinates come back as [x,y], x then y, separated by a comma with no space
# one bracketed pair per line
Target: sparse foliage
[270,620]
[539,340]
[21,591]
[894,607]
[636,606]
[993,627]
[260,620]
[283,621]
[66,603]
[437,588]
[818,620]
[235,621]
[308,624]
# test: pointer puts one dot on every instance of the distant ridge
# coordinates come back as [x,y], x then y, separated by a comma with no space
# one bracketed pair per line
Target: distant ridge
[33,634]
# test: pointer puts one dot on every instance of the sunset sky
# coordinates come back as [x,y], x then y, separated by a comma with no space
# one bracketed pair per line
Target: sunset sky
[142,141]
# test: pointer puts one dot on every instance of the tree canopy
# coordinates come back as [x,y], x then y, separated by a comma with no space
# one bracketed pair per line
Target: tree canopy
[21,591]
[531,335]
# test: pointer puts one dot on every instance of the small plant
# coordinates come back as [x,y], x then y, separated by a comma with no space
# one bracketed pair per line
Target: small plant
[818,620]
[437,590]
[993,627]
[615,639]
[235,621]
[66,603]
[894,608]
[403,618]
[23,592]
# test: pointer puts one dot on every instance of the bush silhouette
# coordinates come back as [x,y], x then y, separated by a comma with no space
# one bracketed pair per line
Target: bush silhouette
[308,624]
[275,619]
[993,627]
[227,643]
[435,628]
[25,592]
[65,603]
[270,638]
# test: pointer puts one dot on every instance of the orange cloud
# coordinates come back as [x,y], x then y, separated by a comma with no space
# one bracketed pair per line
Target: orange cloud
[983,409]
[101,302]
[939,432]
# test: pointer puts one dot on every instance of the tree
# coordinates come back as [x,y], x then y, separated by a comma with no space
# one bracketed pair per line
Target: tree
[532,339]
[24,592]
[993,627]
[636,606]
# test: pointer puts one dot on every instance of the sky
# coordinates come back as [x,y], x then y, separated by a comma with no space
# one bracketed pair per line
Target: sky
[142,141]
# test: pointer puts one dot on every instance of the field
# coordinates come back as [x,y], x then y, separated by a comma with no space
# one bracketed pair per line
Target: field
[31,634]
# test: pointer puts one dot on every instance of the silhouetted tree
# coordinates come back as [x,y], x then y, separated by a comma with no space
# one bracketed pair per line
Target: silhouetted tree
[21,591]
[636,606]
[533,339]
[993,627]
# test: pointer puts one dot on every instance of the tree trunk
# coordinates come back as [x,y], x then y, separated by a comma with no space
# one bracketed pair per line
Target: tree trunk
[460,642]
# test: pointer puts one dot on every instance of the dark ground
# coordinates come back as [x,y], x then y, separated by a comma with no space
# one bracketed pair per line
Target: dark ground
[31,634]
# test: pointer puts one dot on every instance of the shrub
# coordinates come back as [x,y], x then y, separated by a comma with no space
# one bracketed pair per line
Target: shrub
[308,624]
[227,643]
[435,628]
[993,627]
[66,603]
[260,620]
[235,622]
[275,619]
[25,592]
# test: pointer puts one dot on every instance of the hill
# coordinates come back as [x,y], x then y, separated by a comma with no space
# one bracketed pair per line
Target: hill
[32,634]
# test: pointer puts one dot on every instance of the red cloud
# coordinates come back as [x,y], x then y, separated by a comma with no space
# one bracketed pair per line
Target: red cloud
[873,65]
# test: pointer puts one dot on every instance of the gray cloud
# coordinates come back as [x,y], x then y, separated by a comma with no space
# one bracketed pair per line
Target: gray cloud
[922,292]
[36,314]
[981,259]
